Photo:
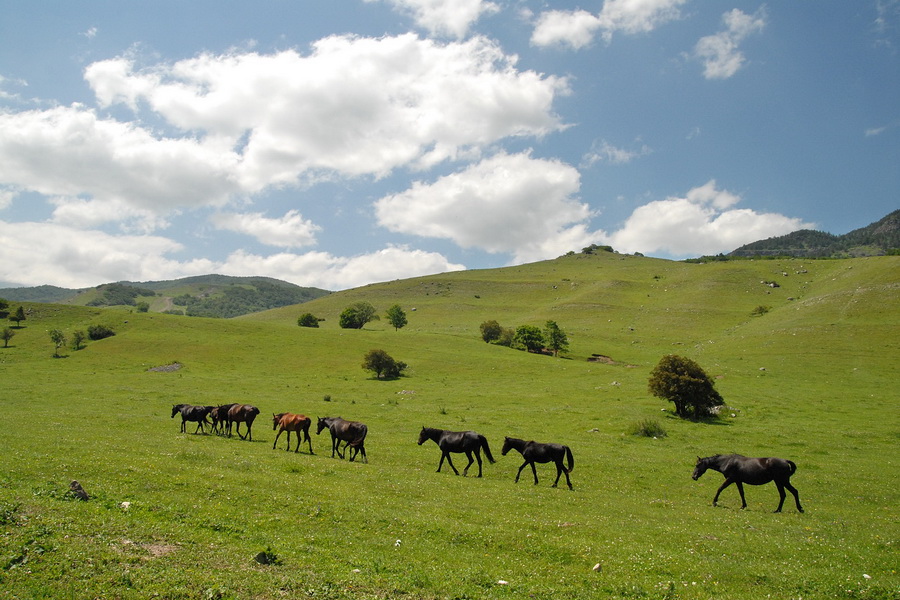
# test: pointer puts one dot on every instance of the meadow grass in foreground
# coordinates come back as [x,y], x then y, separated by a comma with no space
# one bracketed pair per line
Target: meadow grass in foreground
[813,380]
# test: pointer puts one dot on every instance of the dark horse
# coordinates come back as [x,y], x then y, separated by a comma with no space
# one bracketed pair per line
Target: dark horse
[290,422]
[241,413]
[219,416]
[457,441]
[351,432]
[534,452]
[754,471]
[191,413]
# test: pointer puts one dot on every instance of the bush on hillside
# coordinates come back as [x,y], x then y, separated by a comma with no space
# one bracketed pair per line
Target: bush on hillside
[308,320]
[682,381]
[357,315]
[98,332]
[382,364]
[491,331]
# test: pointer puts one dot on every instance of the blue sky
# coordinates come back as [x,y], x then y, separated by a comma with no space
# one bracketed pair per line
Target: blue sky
[335,143]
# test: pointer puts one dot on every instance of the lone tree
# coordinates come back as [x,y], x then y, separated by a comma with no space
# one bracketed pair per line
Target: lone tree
[18,317]
[684,382]
[382,364]
[308,320]
[396,316]
[6,335]
[555,338]
[529,337]
[59,339]
[491,331]
[78,338]
[357,315]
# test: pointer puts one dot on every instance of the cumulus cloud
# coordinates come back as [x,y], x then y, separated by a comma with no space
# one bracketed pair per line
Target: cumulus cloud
[451,18]
[324,270]
[290,231]
[504,204]
[706,221]
[353,106]
[77,258]
[576,29]
[719,53]
[71,153]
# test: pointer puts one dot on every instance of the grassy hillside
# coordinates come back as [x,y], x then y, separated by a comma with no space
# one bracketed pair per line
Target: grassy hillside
[814,379]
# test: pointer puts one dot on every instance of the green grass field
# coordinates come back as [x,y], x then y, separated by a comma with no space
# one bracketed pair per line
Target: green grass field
[815,380]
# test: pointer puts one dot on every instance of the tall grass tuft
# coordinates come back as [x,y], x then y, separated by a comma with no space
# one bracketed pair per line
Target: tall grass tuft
[648,428]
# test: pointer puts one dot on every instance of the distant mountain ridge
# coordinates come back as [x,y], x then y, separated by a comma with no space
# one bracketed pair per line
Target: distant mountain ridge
[205,295]
[881,237]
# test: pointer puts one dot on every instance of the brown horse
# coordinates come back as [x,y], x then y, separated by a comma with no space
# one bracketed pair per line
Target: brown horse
[534,452]
[739,470]
[219,416]
[290,422]
[241,413]
[351,432]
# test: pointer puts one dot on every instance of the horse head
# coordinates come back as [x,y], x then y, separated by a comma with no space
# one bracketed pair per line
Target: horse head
[176,408]
[700,468]
[321,424]
[507,446]
[276,419]
[423,435]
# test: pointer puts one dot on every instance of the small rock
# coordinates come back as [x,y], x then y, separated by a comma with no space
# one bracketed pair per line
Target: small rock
[502,582]
[124,505]
[597,568]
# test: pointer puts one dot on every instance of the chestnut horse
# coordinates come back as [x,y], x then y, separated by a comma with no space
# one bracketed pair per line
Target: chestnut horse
[534,452]
[351,432]
[219,415]
[241,413]
[291,422]
[739,470]
[469,442]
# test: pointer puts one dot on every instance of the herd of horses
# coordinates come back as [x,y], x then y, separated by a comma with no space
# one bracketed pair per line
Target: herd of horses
[736,469]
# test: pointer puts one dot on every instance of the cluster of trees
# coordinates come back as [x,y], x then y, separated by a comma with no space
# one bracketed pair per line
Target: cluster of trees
[530,338]
[119,294]
[17,317]
[357,315]
[94,332]
[237,300]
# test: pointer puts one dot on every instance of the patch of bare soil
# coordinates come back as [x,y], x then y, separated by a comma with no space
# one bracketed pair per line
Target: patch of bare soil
[166,368]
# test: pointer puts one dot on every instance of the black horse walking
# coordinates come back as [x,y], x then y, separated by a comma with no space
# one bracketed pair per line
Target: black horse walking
[468,442]
[352,432]
[739,470]
[192,413]
[534,452]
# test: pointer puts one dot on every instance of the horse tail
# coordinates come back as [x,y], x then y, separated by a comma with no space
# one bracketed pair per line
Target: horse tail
[571,458]
[487,449]
[793,467]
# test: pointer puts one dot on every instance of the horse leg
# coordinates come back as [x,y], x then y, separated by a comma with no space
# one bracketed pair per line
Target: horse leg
[793,490]
[199,427]
[278,435]
[534,472]
[740,487]
[568,481]
[362,448]
[781,495]
[250,431]
[478,457]
[183,426]
[308,440]
[449,462]
[719,491]
[299,439]
[471,460]
[524,464]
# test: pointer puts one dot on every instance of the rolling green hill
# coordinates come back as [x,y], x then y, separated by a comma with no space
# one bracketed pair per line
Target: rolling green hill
[203,296]
[813,378]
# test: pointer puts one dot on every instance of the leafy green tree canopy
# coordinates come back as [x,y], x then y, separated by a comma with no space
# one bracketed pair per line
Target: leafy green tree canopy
[682,381]
[555,338]
[491,331]
[59,340]
[382,364]
[357,315]
[6,335]
[396,317]
[308,320]
[18,317]
[529,337]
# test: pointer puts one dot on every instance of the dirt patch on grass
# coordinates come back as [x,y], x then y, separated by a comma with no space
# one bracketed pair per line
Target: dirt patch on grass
[170,368]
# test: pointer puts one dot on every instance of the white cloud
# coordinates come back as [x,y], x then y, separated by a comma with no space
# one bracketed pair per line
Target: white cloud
[324,270]
[577,28]
[290,231]
[606,152]
[7,195]
[38,253]
[70,153]
[354,106]
[451,18]
[719,53]
[704,222]
[505,204]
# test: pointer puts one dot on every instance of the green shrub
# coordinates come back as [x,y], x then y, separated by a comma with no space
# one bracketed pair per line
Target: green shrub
[308,320]
[760,310]
[98,332]
[648,428]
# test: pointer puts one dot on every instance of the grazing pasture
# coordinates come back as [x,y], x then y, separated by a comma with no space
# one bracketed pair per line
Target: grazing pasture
[178,515]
